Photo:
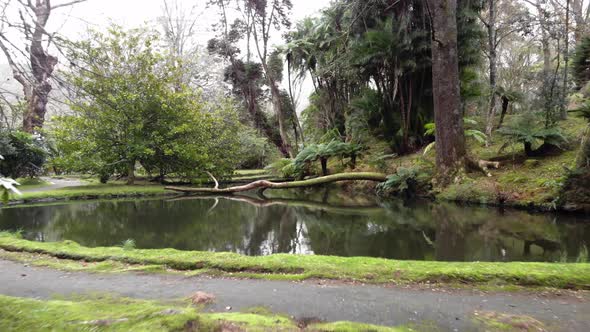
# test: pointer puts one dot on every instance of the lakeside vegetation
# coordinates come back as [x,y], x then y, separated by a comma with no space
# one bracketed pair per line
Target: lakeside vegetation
[295,267]
[120,314]
[476,102]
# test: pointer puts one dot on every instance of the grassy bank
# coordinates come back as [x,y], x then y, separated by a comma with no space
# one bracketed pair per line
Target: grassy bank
[521,181]
[91,191]
[115,314]
[295,267]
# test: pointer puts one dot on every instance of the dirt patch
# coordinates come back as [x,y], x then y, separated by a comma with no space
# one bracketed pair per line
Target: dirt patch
[304,322]
[495,321]
[202,298]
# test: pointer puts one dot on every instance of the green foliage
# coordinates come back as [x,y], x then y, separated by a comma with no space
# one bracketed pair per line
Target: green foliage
[255,152]
[371,67]
[323,152]
[478,135]
[404,182]
[128,244]
[284,168]
[24,154]
[583,109]
[301,267]
[529,130]
[136,110]
[583,256]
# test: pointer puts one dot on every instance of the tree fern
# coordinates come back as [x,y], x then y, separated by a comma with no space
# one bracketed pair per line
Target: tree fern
[528,130]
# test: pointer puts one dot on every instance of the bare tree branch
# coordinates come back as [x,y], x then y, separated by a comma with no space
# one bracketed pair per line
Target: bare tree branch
[71,3]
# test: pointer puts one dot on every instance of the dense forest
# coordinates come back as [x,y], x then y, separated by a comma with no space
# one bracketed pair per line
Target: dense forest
[431,93]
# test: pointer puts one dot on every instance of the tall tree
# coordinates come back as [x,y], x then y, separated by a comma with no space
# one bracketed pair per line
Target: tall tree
[266,16]
[246,76]
[501,19]
[450,140]
[581,13]
[35,78]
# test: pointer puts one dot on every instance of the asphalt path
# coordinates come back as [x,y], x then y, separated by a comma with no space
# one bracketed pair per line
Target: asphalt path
[449,310]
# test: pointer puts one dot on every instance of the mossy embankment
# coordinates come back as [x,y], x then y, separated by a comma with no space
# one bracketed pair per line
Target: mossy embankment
[532,183]
[118,314]
[296,267]
[90,191]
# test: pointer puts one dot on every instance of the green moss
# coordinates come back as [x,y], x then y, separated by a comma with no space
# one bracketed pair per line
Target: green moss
[493,321]
[295,267]
[354,327]
[28,183]
[118,314]
[255,322]
[93,191]
[95,315]
[250,172]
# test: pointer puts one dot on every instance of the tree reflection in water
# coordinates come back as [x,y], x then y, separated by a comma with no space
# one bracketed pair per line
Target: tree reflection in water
[252,226]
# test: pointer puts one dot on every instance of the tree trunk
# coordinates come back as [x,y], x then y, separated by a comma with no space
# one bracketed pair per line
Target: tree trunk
[505,105]
[450,139]
[577,9]
[492,57]
[324,162]
[263,184]
[36,84]
[528,149]
[566,57]
[42,66]
[583,160]
[547,72]
[280,112]
[131,173]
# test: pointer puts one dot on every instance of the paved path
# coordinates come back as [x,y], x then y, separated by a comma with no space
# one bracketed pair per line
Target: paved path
[55,184]
[392,306]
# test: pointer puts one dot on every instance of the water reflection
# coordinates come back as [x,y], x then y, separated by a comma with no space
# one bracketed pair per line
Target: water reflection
[251,226]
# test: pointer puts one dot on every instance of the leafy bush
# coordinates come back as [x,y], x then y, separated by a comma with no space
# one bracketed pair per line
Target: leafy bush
[470,131]
[128,244]
[255,151]
[405,182]
[24,154]
[284,168]
[529,130]
[323,152]
[135,113]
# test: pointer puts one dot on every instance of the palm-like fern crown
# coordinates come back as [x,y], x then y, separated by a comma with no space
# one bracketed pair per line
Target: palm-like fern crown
[528,128]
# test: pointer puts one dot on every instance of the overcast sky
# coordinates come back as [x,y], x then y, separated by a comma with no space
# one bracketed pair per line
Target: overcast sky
[73,22]
[132,13]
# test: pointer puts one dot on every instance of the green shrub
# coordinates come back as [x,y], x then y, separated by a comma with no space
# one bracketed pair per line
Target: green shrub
[284,168]
[129,244]
[528,129]
[24,154]
[323,152]
[405,182]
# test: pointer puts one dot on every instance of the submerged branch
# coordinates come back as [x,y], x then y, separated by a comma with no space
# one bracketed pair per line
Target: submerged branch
[264,184]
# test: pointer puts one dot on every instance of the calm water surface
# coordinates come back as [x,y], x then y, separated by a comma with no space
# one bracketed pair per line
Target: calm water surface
[251,226]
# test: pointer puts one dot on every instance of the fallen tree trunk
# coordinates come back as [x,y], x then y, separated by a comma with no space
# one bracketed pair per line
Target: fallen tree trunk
[264,185]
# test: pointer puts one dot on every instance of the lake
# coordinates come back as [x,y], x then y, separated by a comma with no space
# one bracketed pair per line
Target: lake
[317,225]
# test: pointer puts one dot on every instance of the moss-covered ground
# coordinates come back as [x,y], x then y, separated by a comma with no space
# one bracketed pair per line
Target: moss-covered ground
[296,267]
[92,191]
[525,182]
[117,314]
[31,183]
[494,321]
